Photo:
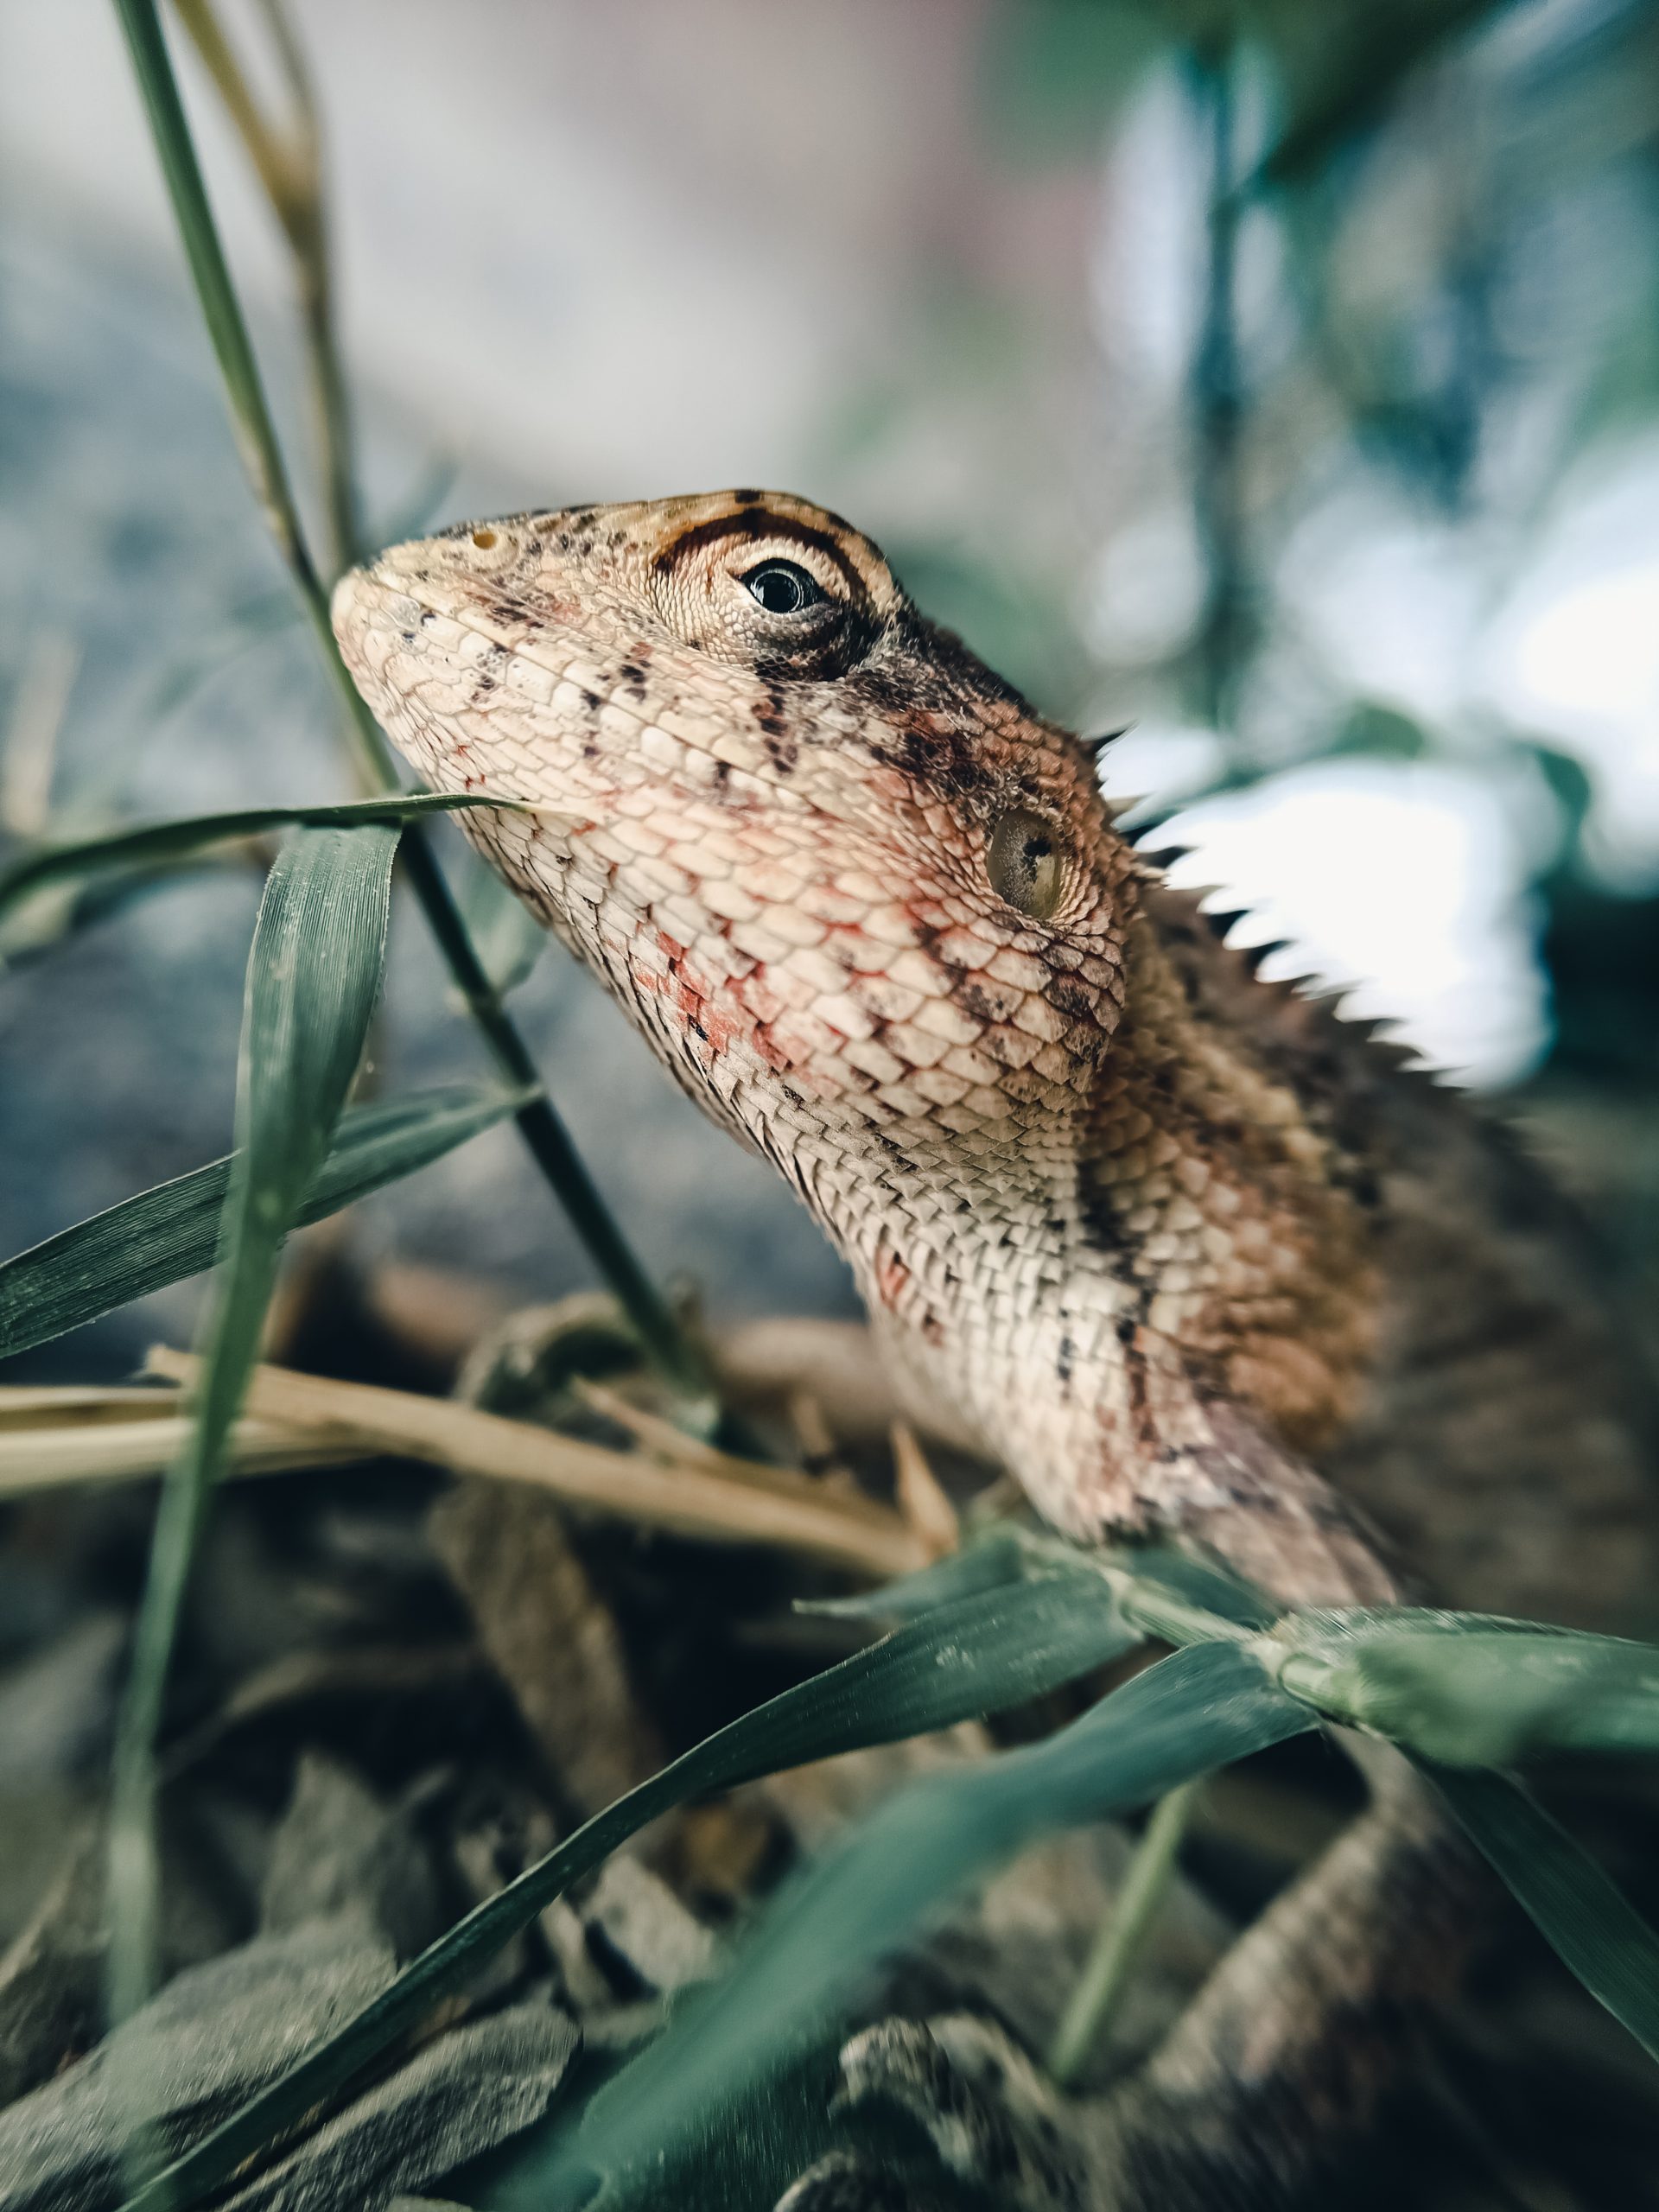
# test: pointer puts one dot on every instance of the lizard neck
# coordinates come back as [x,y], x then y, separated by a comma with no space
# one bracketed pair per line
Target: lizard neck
[1177,1231]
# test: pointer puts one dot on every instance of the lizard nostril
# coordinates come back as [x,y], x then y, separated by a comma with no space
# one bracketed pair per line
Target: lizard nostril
[484,539]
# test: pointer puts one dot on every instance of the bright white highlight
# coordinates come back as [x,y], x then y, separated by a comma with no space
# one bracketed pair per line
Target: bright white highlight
[1401,882]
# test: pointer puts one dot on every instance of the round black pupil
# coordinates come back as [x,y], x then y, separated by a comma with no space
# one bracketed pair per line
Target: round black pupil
[780,588]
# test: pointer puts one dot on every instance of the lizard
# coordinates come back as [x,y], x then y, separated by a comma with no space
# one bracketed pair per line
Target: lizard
[1186,1252]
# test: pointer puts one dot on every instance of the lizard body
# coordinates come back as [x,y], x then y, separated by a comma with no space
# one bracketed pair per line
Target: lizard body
[1184,1251]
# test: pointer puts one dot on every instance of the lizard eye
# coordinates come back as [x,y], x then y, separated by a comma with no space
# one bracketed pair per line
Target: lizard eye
[782,588]
[1026,863]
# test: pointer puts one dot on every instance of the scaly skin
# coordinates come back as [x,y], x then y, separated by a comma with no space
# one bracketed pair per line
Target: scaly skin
[1162,1240]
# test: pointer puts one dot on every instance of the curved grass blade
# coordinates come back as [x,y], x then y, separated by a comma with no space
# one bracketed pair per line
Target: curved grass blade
[1204,1600]
[1581,1910]
[1198,1709]
[508,937]
[65,910]
[990,1562]
[314,975]
[166,1233]
[149,844]
[979,1655]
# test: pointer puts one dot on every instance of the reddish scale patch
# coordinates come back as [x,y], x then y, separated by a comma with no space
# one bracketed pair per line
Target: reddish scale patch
[716,1025]
[769,1049]
[754,994]
[891,1279]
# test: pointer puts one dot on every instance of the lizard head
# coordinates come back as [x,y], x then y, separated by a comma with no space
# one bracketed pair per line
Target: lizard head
[820,852]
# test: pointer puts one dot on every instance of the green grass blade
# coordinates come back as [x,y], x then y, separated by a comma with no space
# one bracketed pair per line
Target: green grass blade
[508,937]
[149,844]
[228,332]
[1198,1709]
[1466,1689]
[313,975]
[990,1562]
[1183,1601]
[985,1653]
[169,1232]
[1200,1586]
[1581,1912]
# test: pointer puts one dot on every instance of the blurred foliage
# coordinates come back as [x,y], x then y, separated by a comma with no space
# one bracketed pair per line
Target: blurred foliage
[1428,285]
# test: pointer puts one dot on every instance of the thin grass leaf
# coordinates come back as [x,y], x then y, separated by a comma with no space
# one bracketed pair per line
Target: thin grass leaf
[152,844]
[1579,1909]
[63,911]
[979,1655]
[990,1562]
[1163,1593]
[166,1233]
[287,161]
[250,417]
[314,975]
[1195,1710]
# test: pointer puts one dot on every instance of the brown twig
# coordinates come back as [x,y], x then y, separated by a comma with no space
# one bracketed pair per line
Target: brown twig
[759,1505]
[928,1513]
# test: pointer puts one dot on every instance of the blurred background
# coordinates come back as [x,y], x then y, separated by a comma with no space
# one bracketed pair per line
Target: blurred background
[1281,382]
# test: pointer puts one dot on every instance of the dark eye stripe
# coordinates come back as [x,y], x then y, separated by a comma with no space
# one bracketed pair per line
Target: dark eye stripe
[759,522]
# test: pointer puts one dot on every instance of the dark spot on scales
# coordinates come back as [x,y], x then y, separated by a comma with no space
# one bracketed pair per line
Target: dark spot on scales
[1068,996]
[592,700]
[934,755]
[771,717]
[503,606]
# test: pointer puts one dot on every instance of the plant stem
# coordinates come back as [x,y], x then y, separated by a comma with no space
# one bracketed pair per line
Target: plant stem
[1121,1936]
[1217,406]
[664,1340]
[290,169]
